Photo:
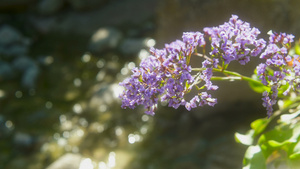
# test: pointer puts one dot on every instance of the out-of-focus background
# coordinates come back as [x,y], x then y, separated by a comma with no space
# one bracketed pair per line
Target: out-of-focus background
[60,65]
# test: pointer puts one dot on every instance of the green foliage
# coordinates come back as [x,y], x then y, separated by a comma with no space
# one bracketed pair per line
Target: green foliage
[274,141]
[257,87]
[254,158]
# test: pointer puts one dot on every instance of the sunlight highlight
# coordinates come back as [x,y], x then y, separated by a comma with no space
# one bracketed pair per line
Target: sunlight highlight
[86,164]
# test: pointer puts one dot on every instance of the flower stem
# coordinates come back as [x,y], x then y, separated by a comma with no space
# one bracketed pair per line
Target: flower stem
[233,75]
[230,78]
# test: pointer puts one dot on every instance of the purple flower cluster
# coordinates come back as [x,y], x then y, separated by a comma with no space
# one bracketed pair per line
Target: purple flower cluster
[275,72]
[235,40]
[165,74]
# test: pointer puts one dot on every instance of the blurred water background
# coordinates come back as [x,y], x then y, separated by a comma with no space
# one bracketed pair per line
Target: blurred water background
[60,65]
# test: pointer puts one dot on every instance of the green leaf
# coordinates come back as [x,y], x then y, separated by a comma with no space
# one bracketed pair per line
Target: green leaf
[246,139]
[259,125]
[297,147]
[296,133]
[297,48]
[277,137]
[295,156]
[276,144]
[296,152]
[282,89]
[258,87]
[282,137]
[254,158]
[286,118]
[187,85]
[287,103]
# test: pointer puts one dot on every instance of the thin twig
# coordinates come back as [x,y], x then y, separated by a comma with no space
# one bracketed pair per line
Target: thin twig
[204,56]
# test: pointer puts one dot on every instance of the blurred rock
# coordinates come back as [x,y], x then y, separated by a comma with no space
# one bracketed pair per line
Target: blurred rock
[48,7]
[67,161]
[23,63]
[23,140]
[12,42]
[104,39]
[29,70]
[6,71]
[132,46]
[29,77]
[9,35]
[86,4]
[15,50]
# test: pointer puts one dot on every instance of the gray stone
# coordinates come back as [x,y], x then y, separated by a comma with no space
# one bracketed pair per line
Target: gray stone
[29,77]
[12,42]
[104,39]
[29,70]
[132,46]
[16,50]
[6,71]
[23,63]
[50,6]
[9,35]
[23,139]
[67,161]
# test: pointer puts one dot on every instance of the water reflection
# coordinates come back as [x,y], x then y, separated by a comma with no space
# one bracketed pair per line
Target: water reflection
[18,94]
[100,64]
[48,60]
[145,118]
[77,108]
[2,93]
[86,58]
[86,164]
[102,165]
[77,82]
[102,108]
[74,108]
[100,76]
[9,125]
[56,136]
[111,160]
[48,105]
[116,89]
[119,131]
[96,127]
[124,71]
[83,122]
[150,42]
[62,142]
[127,68]
[143,54]
[133,138]
[144,130]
